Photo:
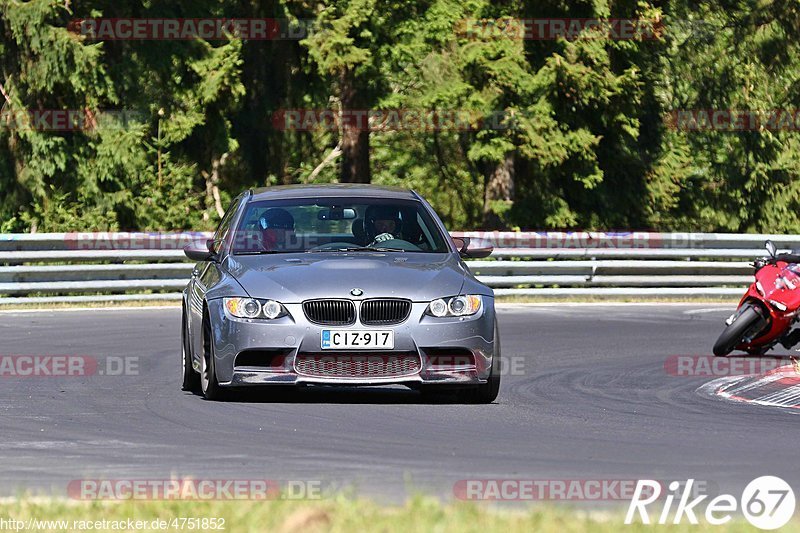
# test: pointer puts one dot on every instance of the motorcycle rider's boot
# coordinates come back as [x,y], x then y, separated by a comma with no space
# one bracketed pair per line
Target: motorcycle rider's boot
[789,340]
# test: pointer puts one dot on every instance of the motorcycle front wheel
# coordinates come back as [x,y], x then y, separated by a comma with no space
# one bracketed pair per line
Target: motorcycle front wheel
[749,320]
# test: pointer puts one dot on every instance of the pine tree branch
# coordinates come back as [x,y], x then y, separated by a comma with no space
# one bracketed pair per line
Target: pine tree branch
[336,152]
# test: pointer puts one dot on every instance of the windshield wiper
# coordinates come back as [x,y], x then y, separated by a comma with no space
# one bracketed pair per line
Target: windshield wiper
[358,249]
[261,252]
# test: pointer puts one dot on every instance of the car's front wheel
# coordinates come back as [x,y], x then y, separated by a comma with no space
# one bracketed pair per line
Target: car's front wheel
[208,370]
[487,392]
[191,380]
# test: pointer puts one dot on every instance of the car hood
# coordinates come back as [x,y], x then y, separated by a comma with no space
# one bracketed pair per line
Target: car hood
[293,278]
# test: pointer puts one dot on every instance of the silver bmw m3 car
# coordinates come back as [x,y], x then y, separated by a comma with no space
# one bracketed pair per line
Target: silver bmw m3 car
[338,285]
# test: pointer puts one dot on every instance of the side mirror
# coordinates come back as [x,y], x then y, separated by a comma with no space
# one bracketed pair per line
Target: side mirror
[771,248]
[461,244]
[199,252]
[473,248]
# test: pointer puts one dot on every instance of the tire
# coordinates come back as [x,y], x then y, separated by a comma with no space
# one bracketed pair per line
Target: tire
[191,379]
[487,392]
[208,371]
[744,323]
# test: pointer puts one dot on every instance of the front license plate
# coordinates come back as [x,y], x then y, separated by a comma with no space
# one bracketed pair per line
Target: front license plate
[333,339]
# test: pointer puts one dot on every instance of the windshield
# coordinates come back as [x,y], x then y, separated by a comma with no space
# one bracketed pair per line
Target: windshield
[337,224]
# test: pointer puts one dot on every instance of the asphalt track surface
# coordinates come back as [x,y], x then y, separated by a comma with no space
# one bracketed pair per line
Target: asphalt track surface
[585,397]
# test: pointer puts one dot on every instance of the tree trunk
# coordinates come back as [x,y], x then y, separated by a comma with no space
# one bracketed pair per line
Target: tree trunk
[355,133]
[499,188]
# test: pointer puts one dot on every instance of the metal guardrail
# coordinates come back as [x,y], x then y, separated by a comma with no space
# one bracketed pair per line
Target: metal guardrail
[62,267]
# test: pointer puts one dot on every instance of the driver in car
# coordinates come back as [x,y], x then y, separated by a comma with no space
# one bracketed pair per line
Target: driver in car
[276,228]
[382,223]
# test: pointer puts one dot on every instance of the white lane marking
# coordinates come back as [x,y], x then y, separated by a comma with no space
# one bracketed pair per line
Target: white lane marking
[84,309]
[769,404]
[719,386]
[577,306]
[784,397]
[706,310]
[602,304]
[754,384]
[728,388]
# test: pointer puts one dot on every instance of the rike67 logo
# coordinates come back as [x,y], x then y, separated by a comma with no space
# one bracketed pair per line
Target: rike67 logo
[767,502]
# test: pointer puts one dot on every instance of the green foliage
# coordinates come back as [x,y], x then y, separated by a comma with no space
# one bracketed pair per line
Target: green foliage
[580,124]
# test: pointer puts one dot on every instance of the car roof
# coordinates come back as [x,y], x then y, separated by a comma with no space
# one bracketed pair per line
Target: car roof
[331,190]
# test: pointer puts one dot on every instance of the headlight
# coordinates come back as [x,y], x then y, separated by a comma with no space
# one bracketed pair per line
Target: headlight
[759,288]
[465,305]
[779,306]
[252,308]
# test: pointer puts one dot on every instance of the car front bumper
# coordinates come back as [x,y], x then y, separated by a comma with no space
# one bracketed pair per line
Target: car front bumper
[451,351]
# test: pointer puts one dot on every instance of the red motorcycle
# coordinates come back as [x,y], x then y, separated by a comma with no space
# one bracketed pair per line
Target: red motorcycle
[768,310]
